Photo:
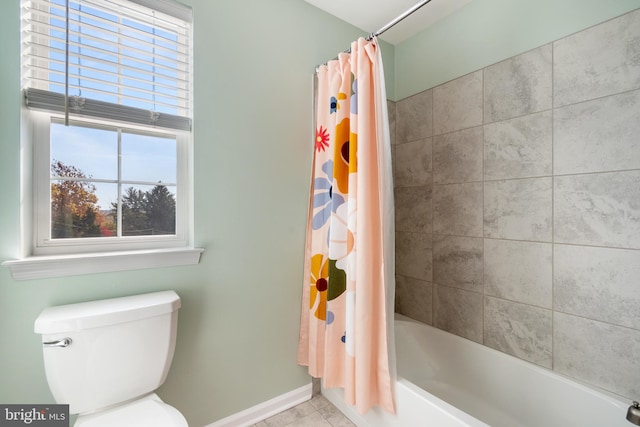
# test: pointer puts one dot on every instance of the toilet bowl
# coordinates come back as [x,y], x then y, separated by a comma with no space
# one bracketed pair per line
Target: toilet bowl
[106,358]
[148,411]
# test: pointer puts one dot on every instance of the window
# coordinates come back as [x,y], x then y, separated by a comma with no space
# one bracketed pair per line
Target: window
[107,187]
[107,88]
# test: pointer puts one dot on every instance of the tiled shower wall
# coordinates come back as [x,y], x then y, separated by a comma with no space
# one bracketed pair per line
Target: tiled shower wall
[517,192]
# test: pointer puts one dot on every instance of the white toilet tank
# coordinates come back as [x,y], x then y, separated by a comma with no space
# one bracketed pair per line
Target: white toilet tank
[102,353]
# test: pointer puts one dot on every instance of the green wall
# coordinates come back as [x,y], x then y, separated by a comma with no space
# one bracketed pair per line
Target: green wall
[238,327]
[488,31]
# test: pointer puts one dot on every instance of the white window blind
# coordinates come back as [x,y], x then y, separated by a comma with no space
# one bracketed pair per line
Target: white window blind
[115,59]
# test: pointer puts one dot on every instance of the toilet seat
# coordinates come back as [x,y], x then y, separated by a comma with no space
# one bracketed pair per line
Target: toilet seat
[148,411]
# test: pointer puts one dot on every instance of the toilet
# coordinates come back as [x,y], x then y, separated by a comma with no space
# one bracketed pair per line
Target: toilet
[106,358]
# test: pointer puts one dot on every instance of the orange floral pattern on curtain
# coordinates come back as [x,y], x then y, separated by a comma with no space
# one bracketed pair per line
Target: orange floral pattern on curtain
[343,332]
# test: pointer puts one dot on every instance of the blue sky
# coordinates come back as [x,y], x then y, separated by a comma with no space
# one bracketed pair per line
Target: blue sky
[95,151]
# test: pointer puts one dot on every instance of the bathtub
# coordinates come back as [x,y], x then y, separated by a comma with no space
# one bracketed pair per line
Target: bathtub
[448,381]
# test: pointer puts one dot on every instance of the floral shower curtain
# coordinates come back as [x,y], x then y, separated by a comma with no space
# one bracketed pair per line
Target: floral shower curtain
[346,325]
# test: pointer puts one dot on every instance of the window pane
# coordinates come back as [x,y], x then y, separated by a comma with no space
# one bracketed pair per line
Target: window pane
[82,209]
[148,210]
[83,152]
[148,158]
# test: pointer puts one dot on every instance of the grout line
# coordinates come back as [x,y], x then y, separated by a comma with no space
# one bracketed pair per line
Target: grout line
[598,98]
[433,285]
[484,295]
[553,200]
[606,322]
[490,238]
[519,116]
[596,172]
[546,242]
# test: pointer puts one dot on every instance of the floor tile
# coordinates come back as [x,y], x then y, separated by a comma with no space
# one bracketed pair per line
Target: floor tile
[317,412]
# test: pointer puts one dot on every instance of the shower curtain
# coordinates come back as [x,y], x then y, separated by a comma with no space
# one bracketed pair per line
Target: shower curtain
[346,331]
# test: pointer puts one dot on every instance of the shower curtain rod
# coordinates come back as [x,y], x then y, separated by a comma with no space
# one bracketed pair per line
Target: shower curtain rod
[399,18]
[391,23]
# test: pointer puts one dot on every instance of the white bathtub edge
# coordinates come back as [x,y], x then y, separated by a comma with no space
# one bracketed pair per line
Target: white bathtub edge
[412,403]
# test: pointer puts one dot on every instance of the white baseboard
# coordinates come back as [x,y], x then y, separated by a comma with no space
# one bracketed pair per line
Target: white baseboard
[266,409]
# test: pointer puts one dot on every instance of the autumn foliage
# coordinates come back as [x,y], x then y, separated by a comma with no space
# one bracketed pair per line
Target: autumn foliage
[75,211]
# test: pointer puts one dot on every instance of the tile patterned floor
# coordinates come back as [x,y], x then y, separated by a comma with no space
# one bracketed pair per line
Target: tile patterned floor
[317,412]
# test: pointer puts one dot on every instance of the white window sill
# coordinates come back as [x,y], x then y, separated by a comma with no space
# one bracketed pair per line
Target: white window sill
[41,267]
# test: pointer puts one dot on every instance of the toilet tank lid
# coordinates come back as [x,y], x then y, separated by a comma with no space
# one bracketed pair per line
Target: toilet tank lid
[94,314]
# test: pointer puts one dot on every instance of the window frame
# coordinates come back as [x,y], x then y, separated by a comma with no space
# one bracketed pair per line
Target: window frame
[39,257]
[43,244]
